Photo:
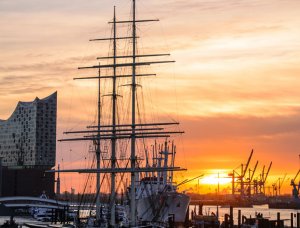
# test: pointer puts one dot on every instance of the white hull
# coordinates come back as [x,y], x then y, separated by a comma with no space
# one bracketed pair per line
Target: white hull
[158,207]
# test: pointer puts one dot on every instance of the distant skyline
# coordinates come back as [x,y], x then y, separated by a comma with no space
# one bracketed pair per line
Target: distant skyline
[234,86]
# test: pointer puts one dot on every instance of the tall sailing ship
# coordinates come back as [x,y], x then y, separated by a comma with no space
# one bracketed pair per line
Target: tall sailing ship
[152,195]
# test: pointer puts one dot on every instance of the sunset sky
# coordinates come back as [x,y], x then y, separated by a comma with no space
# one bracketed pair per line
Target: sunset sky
[235,85]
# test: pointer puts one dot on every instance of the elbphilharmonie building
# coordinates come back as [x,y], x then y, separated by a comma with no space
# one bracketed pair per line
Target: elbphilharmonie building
[28,147]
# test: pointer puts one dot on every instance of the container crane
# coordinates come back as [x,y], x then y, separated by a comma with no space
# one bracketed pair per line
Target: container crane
[251,175]
[265,177]
[277,185]
[295,191]
[243,174]
[259,185]
[280,183]
[274,188]
[238,178]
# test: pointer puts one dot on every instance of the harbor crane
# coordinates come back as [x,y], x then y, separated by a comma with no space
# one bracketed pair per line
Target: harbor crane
[259,185]
[295,191]
[243,182]
[250,179]
[239,184]
[265,177]
[278,185]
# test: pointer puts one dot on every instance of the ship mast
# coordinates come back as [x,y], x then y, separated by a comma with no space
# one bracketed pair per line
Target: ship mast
[113,140]
[131,131]
[133,94]
[98,150]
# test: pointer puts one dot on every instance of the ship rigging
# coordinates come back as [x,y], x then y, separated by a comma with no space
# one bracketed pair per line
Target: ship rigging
[133,130]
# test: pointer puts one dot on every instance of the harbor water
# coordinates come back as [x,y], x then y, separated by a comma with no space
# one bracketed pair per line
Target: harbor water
[285,214]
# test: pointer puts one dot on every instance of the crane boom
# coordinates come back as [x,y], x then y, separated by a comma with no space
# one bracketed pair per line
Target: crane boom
[247,164]
[283,180]
[296,175]
[263,173]
[268,172]
[251,178]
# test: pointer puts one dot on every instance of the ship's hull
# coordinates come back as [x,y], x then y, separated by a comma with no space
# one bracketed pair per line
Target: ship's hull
[159,207]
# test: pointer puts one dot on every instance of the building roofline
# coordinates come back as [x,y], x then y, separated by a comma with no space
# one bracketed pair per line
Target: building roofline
[28,103]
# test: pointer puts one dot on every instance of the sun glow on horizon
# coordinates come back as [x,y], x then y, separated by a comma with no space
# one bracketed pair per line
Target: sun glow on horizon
[220,178]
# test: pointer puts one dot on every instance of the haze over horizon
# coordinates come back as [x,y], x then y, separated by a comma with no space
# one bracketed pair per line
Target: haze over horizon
[234,86]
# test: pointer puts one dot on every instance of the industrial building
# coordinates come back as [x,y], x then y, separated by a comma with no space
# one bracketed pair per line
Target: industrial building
[28,148]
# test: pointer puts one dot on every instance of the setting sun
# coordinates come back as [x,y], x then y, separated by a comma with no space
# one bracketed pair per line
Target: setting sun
[215,178]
